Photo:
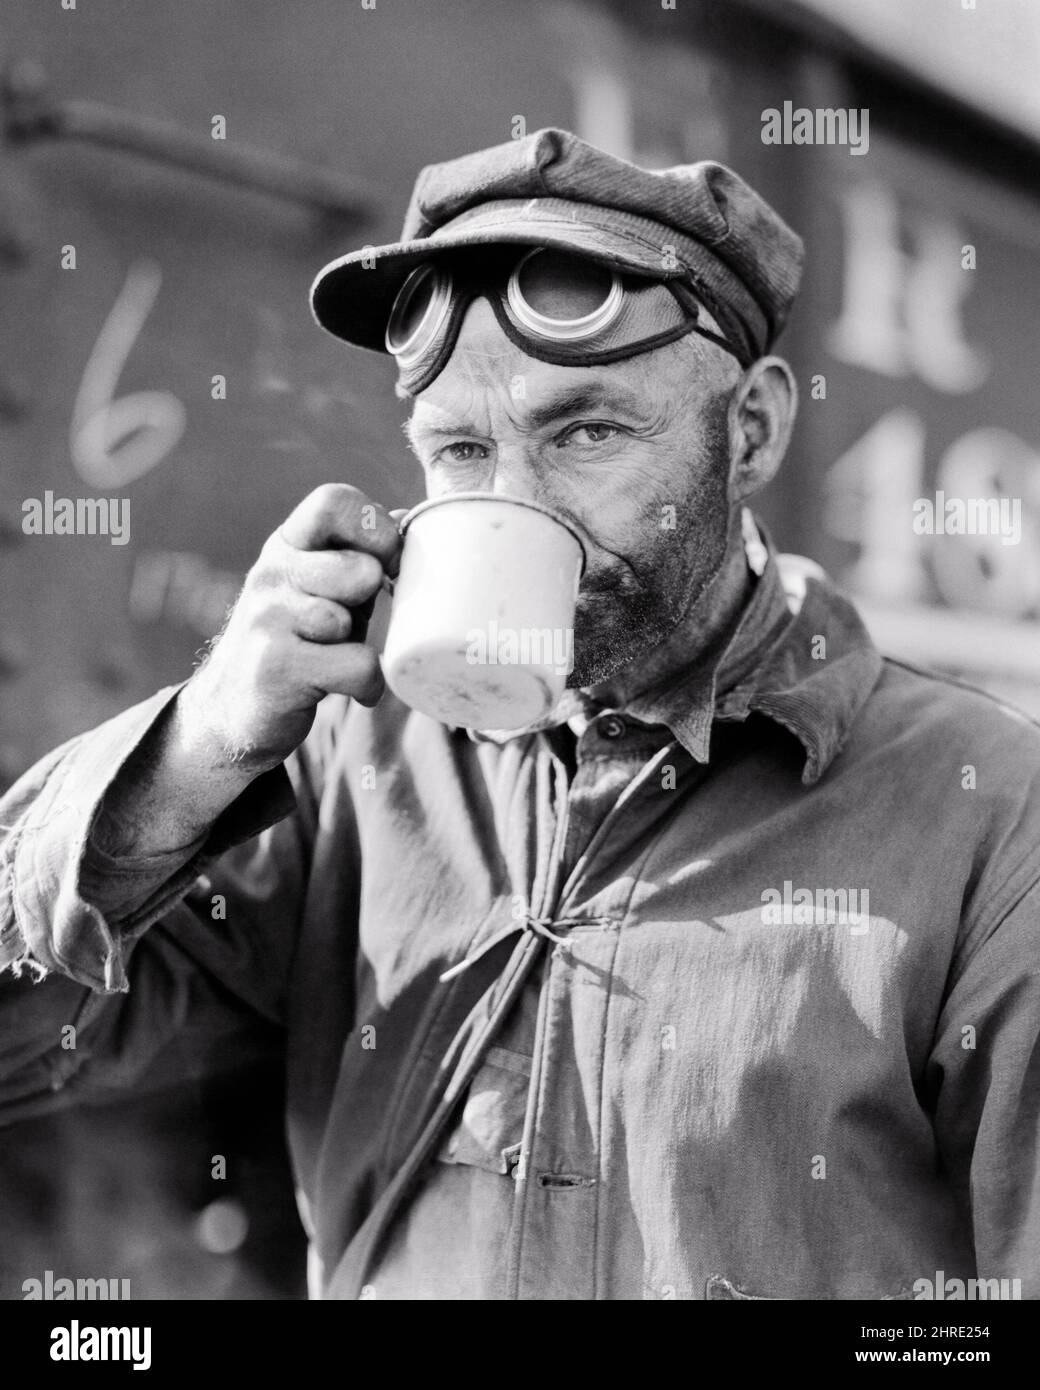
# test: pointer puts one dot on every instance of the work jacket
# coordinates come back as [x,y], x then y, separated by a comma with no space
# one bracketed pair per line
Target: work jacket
[732,993]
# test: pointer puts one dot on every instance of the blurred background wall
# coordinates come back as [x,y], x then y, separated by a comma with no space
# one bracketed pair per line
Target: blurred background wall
[176,365]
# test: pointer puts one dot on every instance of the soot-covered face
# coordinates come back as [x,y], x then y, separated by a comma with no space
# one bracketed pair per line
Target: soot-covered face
[636,454]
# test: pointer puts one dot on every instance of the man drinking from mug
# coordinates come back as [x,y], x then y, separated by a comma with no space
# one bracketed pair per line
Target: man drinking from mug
[712,982]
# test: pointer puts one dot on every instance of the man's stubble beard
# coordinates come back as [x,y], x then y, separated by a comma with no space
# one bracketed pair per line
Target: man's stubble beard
[630,620]
[638,622]
[621,626]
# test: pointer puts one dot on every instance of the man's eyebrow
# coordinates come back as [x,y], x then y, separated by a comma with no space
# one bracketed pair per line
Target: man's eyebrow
[578,400]
[570,400]
[418,430]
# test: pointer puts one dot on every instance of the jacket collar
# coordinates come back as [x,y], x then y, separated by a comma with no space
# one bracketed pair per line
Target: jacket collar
[800,656]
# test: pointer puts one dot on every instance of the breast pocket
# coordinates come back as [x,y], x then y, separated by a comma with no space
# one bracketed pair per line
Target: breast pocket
[491,1127]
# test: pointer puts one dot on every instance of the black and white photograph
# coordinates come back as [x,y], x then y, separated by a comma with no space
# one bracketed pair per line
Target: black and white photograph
[520,665]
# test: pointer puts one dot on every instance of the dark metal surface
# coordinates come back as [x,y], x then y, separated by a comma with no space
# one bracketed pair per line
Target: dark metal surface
[31,114]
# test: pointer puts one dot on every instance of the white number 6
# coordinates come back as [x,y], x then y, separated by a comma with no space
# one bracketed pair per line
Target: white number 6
[115,441]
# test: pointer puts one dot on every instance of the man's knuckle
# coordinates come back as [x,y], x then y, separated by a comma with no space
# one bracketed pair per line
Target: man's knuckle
[334,499]
[363,569]
[270,617]
[325,622]
[322,497]
[290,570]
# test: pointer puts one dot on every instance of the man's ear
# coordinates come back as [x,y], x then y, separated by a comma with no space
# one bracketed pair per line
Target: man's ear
[762,410]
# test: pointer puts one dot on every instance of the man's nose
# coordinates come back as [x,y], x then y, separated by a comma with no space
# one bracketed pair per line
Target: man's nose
[516,473]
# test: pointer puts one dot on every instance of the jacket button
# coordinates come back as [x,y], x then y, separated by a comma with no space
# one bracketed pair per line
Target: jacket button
[612,726]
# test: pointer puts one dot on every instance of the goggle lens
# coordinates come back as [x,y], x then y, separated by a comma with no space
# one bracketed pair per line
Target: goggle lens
[419,310]
[562,297]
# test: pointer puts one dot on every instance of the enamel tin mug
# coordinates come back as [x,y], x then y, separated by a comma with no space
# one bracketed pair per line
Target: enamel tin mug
[481,631]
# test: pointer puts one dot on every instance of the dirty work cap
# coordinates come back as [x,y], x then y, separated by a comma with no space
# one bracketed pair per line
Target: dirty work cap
[700,223]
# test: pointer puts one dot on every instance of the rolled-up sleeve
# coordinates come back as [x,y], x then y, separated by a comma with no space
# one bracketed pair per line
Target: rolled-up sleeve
[194,945]
[67,907]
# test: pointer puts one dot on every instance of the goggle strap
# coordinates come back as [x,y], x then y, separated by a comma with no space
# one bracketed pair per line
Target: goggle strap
[460,302]
[692,294]
[545,353]
[722,342]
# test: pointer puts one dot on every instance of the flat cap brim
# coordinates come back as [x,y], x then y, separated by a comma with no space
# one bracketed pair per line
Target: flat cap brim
[352,296]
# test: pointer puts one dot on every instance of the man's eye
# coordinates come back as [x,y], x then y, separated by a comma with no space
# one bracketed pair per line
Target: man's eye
[463,452]
[593,433]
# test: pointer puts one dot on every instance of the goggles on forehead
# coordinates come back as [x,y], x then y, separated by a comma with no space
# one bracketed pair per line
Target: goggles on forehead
[555,306]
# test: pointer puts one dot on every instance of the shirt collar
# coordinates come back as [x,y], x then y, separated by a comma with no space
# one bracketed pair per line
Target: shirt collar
[799,655]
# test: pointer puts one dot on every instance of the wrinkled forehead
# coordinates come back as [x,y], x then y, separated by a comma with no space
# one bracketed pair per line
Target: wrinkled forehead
[483,352]
[488,375]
